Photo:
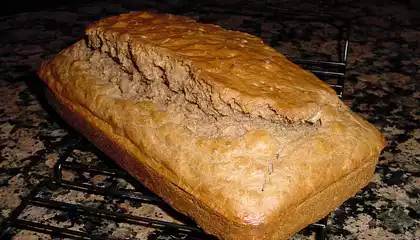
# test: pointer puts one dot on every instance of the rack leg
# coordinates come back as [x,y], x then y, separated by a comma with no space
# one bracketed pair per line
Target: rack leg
[321,231]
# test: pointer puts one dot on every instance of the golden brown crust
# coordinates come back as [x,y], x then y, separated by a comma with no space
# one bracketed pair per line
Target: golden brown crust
[286,224]
[245,164]
[239,65]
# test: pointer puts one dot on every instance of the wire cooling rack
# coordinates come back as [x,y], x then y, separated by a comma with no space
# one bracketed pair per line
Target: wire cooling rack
[79,213]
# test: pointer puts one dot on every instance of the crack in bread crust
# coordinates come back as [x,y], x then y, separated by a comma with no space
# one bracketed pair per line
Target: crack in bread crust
[261,81]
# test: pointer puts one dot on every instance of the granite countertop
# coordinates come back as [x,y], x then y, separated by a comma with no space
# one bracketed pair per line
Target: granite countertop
[382,86]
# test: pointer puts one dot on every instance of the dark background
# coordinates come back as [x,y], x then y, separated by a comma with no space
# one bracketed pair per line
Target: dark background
[13,7]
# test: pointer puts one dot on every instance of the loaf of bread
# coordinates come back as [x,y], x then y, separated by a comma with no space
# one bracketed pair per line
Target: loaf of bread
[221,126]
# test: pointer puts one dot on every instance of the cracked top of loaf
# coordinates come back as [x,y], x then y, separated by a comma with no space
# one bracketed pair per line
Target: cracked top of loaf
[243,70]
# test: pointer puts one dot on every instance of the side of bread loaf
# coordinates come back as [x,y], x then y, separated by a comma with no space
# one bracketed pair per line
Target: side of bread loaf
[246,138]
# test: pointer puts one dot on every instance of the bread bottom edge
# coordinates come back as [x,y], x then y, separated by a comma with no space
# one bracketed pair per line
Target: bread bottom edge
[212,222]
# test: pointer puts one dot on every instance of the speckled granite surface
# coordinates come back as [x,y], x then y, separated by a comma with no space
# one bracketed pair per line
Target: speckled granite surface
[383,86]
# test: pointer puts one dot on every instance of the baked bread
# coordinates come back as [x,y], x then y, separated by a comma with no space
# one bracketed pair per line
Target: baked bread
[222,127]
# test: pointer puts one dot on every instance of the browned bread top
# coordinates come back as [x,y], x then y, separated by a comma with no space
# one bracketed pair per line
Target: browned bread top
[241,69]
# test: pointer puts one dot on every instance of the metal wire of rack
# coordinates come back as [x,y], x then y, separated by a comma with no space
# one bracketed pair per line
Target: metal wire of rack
[192,231]
[74,211]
